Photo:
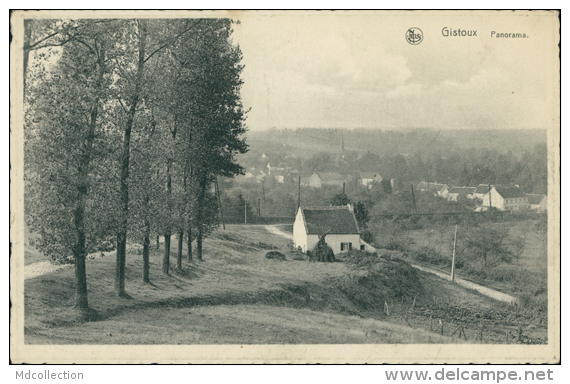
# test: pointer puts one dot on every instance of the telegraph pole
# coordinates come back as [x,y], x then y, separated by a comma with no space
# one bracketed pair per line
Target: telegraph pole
[490,204]
[453,257]
[263,190]
[415,209]
[245,211]
[298,196]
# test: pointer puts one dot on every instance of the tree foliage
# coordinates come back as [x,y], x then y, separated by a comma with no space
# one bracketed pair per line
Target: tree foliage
[128,124]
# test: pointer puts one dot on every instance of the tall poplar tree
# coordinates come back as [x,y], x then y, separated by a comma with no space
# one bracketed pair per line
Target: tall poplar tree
[65,146]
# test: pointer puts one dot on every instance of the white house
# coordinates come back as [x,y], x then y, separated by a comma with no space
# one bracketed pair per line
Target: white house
[537,202]
[454,192]
[506,198]
[338,223]
[481,191]
[435,188]
[367,178]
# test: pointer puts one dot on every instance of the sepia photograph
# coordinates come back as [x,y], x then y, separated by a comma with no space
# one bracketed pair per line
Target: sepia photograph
[285,187]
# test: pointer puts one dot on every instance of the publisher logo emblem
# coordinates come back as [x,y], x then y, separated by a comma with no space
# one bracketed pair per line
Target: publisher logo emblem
[414,36]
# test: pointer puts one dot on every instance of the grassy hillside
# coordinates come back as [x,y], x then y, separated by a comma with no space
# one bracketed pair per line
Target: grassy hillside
[238,296]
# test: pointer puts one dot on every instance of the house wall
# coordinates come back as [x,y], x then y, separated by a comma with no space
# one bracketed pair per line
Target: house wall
[451,196]
[502,204]
[334,241]
[497,200]
[315,181]
[299,232]
[543,205]
[516,204]
[366,182]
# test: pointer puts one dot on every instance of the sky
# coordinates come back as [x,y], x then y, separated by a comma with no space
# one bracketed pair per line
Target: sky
[356,70]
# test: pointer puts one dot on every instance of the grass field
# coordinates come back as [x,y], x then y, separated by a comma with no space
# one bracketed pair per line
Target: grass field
[238,296]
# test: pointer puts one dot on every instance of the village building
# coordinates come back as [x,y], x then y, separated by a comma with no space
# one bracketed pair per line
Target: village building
[481,191]
[338,224]
[367,178]
[281,176]
[313,181]
[537,203]
[454,193]
[260,176]
[509,198]
[435,188]
[332,178]
[318,180]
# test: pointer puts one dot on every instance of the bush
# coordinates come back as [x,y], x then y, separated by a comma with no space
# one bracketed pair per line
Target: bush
[322,252]
[393,277]
[367,236]
[431,256]
[395,245]
[274,255]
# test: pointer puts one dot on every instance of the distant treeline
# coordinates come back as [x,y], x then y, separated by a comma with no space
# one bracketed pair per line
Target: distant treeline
[466,158]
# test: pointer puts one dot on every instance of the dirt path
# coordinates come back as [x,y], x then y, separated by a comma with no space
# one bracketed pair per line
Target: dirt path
[41,268]
[500,296]
[276,231]
[471,285]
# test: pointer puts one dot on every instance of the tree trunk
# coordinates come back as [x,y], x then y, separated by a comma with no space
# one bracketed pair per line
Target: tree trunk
[146,242]
[125,157]
[199,244]
[27,38]
[167,235]
[189,240]
[180,244]
[80,251]
[199,203]
[166,258]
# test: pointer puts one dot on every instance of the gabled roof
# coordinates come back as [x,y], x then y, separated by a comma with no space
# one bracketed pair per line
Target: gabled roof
[482,189]
[509,192]
[462,190]
[535,199]
[432,186]
[331,220]
[331,176]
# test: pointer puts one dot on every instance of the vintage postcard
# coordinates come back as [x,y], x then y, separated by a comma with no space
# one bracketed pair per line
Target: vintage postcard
[285,187]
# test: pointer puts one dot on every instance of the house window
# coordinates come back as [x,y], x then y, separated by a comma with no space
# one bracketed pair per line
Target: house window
[346,246]
[362,247]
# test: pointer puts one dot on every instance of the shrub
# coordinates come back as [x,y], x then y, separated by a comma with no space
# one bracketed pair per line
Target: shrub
[431,256]
[367,236]
[274,255]
[322,252]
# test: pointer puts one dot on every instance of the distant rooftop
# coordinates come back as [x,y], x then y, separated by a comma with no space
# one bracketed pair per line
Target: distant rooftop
[534,199]
[510,192]
[462,190]
[434,187]
[482,189]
